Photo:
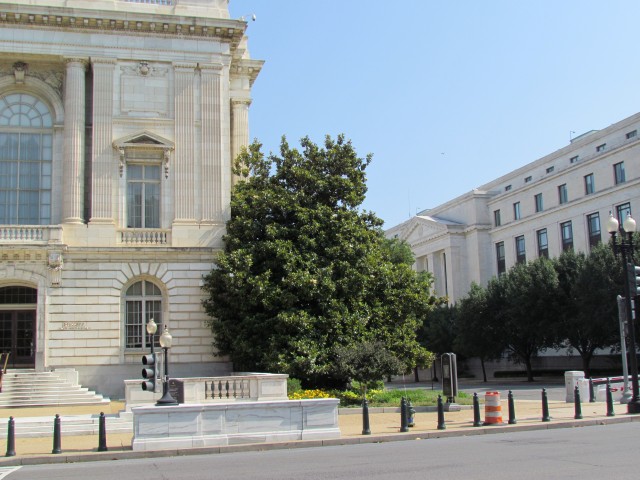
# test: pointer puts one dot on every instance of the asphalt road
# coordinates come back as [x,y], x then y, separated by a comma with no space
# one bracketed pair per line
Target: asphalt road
[583,453]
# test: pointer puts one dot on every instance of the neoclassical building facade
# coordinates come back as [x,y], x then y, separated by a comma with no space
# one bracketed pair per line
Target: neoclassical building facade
[560,201]
[119,120]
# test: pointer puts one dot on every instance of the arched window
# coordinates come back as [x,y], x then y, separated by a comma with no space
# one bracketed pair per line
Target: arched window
[25,160]
[143,301]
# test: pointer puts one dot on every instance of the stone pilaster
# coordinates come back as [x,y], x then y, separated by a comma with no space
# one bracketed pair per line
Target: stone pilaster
[239,126]
[212,173]
[104,171]
[74,141]
[184,173]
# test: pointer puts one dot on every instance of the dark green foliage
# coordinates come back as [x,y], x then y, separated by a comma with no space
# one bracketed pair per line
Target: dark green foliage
[522,303]
[587,309]
[305,272]
[477,335]
[366,363]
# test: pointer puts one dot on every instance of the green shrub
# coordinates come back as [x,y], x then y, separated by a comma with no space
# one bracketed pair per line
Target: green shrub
[293,385]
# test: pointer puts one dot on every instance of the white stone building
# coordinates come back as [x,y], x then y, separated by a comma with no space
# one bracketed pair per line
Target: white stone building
[119,120]
[557,202]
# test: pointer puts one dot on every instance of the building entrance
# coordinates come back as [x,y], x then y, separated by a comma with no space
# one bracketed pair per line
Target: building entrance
[18,325]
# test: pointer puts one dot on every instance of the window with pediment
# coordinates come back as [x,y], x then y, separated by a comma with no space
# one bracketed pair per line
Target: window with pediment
[144,162]
[26,139]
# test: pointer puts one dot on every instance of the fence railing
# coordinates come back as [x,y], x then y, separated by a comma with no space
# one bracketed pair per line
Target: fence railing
[29,233]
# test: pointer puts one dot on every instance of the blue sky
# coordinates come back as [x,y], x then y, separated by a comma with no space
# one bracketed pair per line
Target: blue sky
[445,95]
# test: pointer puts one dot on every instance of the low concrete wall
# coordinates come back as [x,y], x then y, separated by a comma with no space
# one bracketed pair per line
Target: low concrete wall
[216,424]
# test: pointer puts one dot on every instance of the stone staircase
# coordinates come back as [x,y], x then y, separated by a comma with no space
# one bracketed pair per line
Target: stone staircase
[28,388]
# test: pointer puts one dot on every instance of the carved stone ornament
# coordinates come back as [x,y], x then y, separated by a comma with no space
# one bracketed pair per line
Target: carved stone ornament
[19,69]
[54,264]
[143,69]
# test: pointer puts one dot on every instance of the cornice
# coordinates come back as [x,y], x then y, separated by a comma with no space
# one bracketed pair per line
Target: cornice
[114,22]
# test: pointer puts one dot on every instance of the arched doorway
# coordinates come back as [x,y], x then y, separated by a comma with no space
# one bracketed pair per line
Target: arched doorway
[18,325]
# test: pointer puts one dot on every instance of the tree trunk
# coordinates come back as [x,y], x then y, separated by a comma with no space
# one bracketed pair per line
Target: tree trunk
[527,364]
[586,365]
[484,370]
[415,374]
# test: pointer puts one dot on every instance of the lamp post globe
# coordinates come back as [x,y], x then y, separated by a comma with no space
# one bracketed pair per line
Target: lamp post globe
[165,342]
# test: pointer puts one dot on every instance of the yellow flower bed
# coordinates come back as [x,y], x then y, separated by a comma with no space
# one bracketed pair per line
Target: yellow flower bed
[306,394]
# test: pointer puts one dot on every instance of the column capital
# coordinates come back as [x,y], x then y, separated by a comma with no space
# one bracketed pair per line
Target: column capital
[82,61]
[239,101]
[185,67]
[103,61]
[211,68]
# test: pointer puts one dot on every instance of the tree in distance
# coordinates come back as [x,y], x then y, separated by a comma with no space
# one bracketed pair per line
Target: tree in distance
[305,273]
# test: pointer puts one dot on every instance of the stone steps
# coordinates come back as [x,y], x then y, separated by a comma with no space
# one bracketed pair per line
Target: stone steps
[28,388]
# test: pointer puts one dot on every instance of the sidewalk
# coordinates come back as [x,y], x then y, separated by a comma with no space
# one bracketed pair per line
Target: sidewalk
[384,427]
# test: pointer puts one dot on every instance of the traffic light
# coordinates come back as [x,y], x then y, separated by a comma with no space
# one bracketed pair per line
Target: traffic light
[149,372]
[633,273]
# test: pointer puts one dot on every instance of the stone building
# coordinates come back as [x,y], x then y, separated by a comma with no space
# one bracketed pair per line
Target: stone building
[119,120]
[557,202]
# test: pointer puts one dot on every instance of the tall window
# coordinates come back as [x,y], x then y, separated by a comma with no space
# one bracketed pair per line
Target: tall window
[589,184]
[543,243]
[500,258]
[521,254]
[143,301]
[622,211]
[143,196]
[566,232]
[496,218]
[618,173]
[25,160]
[593,225]
[538,200]
[516,211]
[563,195]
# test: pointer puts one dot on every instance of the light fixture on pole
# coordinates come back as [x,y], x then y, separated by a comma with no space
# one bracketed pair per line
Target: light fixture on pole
[624,248]
[152,328]
[165,342]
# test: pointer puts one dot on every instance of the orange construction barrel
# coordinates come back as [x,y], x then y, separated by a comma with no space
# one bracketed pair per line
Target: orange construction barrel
[492,408]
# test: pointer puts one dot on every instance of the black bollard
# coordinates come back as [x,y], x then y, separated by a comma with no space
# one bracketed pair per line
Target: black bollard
[512,409]
[576,401]
[403,416]
[411,412]
[102,434]
[441,424]
[610,412]
[545,406]
[56,435]
[366,429]
[476,411]
[11,439]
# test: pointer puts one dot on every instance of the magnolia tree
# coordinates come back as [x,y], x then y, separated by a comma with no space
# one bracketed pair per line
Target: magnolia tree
[305,273]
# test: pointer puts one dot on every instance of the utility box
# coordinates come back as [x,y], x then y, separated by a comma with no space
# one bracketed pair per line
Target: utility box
[449,375]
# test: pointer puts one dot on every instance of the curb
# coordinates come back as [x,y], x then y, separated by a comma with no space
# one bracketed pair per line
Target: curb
[257,447]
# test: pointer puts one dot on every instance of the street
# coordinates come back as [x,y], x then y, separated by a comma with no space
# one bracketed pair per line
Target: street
[587,453]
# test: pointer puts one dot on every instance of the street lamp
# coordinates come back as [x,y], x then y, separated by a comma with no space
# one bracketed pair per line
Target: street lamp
[152,328]
[165,343]
[624,248]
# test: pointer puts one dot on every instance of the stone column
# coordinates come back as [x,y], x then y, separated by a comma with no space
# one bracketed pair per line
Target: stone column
[239,126]
[104,169]
[183,171]
[211,176]
[74,141]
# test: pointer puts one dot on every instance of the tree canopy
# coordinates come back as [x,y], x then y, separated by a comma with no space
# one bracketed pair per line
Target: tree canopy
[306,273]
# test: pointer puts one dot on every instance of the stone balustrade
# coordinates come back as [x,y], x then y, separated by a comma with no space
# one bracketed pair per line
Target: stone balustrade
[247,387]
